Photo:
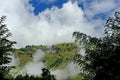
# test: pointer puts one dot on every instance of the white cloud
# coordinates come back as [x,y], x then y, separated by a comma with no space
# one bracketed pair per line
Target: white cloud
[100,9]
[95,7]
[100,6]
[49,27]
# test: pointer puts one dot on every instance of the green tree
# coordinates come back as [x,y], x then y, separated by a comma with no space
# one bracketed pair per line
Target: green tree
[5,46]
[46,75]
[102,55]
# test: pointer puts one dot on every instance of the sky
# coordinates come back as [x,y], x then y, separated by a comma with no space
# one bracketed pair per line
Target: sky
[48,22]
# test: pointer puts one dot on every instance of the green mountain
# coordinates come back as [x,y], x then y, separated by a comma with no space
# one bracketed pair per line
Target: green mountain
[56,56]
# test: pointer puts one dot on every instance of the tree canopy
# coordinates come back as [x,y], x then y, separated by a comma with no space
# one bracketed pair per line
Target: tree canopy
[5,46]
[5,43]
[102,55]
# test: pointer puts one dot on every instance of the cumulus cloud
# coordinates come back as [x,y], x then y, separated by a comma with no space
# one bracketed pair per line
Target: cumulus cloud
[51,26]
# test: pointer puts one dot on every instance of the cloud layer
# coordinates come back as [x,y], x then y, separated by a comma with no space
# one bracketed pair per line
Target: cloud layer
[51,26]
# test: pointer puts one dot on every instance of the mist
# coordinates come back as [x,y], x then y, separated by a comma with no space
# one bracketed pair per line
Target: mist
[70,71]
[34,67]
[14,60]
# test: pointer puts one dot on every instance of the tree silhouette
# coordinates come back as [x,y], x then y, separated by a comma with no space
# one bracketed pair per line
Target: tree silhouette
[5,46]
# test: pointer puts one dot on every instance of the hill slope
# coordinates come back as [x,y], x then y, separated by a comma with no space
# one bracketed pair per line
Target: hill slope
[56,57]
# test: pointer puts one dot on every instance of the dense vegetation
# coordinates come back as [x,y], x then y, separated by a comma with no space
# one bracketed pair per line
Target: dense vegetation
[5,47]
[102,55]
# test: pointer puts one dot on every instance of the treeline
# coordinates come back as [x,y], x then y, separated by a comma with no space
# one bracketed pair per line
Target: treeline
[45,75]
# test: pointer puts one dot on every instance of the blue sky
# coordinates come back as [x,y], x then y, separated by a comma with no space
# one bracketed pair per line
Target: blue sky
[50,22]
[41,6]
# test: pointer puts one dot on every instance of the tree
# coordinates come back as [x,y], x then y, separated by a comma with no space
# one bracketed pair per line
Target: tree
[5,45]
[102,55]
[46,75]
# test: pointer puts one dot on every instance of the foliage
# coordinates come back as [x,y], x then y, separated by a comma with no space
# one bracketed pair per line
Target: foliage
[102,59]
[78,77]
[25,54]
[44,76]
[5,43]
[5,47]
[27,77]
[59,59]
